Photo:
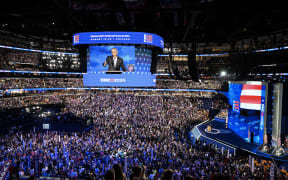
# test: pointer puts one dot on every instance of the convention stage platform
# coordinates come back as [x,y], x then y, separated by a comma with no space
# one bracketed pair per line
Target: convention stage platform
[222,136]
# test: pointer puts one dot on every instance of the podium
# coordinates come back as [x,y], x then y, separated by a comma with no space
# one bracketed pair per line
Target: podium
[113,72]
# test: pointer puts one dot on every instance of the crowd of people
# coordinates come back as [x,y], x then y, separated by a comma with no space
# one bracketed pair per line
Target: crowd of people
[134,135]
[53,82]
[125,125]
[20,83]
[67,96]
[30,98]
[177,84]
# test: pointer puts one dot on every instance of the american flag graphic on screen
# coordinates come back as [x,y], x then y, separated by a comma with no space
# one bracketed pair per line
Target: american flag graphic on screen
[251,97]
[148,38]
[76,38]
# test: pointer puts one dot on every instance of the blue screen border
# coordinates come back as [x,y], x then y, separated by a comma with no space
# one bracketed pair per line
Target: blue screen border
[111,37]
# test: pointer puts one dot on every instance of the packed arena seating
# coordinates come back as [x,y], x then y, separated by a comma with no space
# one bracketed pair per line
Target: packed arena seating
[45,82]
[144,132]
[62,82]
[178,84]
[141,106]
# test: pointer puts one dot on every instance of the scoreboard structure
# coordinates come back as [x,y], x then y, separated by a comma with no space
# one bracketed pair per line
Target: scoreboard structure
[138,52]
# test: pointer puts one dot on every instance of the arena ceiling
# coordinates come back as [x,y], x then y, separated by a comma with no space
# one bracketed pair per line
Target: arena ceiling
[175,20]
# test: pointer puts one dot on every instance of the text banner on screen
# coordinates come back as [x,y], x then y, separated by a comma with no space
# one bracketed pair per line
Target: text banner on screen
[118,38]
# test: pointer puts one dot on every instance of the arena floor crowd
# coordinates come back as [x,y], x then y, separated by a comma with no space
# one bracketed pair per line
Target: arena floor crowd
[133,136]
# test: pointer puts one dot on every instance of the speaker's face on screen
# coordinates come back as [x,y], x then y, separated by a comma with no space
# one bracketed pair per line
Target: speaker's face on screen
[114,52]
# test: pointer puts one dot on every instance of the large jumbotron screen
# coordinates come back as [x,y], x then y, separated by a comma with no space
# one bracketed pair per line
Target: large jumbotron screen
[119,59]
[133,63]
[248,109]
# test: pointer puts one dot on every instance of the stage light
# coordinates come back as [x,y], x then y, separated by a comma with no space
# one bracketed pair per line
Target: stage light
[223,73]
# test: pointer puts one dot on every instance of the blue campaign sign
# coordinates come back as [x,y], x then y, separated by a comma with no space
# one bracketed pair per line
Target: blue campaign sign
[118,38]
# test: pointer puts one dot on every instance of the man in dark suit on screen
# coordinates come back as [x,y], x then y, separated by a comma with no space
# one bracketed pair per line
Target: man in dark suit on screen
[114,62]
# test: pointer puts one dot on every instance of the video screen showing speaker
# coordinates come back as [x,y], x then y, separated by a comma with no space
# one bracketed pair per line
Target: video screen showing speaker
[119,66]
[247,110]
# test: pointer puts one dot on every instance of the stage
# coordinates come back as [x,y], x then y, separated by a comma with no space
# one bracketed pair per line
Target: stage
[224,137]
